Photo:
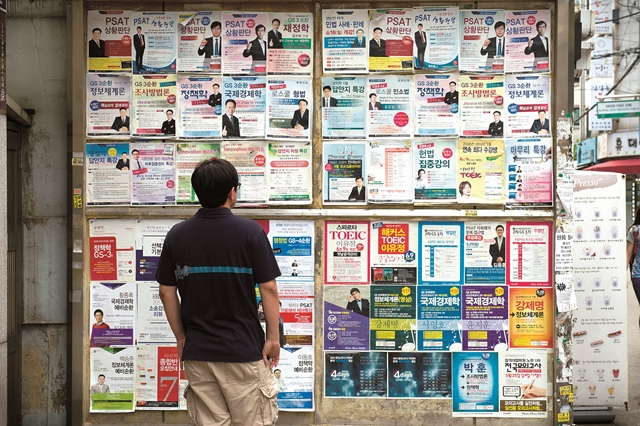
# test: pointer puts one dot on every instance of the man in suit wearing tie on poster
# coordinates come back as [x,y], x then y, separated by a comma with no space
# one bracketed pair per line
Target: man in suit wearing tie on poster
[139,44]
[377,46]
[230,123]
[360,40]
[257,49]
[211,47]
[420,38]
[540,125]
[96,46]
[275,36]
[327,100]
[494,47]
[497,250]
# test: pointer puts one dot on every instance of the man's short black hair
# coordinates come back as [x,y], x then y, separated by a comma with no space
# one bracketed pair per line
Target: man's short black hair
[326,87]
[230,101]
[96,29]
[498,25]
[138,28]
[499,226]
[354,289]
[259,27]
[540,23]
[216,24]
[96,311]
[135,150]
[274,20]
[497,112]
[170,111]
[215,84]
[212,180]
[101,375]
[123,108]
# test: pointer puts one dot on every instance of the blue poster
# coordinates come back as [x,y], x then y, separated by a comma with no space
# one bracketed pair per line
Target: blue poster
[474,381]
[359,374]
[420,375]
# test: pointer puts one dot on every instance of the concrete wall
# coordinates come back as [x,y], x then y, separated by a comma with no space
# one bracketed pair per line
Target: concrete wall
[36,78]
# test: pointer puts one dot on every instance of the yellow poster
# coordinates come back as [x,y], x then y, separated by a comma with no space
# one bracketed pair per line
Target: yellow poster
[480,171]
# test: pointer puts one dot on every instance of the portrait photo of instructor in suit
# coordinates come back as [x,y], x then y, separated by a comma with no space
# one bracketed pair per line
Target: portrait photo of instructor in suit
[300,120]
[538,45]
[420,38]
[100,387]
[360,40]
[498,249]
[357,304]
[230,123]
[96,46]
[373,103]
[139,44]
[494,47]
[257,49]
[327,100]
[275,37]
[211,47]
[540,125]
[377,46]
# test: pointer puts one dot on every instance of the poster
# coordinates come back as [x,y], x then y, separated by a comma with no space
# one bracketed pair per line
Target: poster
[155,41]
[113,308]
[109,40]
[157,377]
[289,168]
[481,104]
[528,102]
[244,43]
[346,252]
[419,375]
[290,43]
[602,58]
[295,378]
[439,318]
[152,325]
[394,247]
[390,42]
[486,251]
[389,107]
[107,174]
[597,88]
[244,100]
[154,106]
[112,250]
[344,41]
[296,311]
[474,380]
[344,107]
[523,383]
[250,160]
[436,38]
[200,42]
[529,41]
[109,102]
[199,107]
[153,180]
[112,379]
[393,318]
[604,16]
[150,234]
[531,320]
[358,374]
[530,254]
[345,324]
[436,105]
[188,156]
[485,317]
[529,174]
[600,271]
[482,41]
[481,171]
[343,164]
[441,252]
[435,169]
[289,115]
[293,246]
[388,177]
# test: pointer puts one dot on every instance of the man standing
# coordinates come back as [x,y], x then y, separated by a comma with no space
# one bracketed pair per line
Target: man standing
[451,97]
[327,100]
[357,304]
[216,97]
[275,36]
[257,49]
[494,47]
[139,44]
[227,359]
[538,45]
[420,38]
[497,127]
[169,125]
[230,123]
[211,47]
[497,250]
[540,125]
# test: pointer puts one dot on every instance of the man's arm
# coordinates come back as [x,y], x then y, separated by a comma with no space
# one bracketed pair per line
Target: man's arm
[271,308]
[169,297]
[629,253]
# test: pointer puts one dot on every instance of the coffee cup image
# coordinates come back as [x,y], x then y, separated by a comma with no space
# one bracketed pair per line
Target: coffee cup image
[579,233]
[587,251]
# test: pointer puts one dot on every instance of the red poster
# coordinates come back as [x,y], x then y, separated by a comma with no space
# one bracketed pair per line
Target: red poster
[103,262]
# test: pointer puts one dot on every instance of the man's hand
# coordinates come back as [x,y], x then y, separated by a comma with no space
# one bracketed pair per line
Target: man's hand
[271,353]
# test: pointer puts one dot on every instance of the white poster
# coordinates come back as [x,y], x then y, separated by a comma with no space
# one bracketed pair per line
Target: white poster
[199,107]
[109,106]
[290,43]
[389,106]
[388,177]
[289,168]
[250,160]
[436,38]
[200,42]
[112,379]
[344,41]
[108,178]
[482,41]
[153,180]
[289,115]
[155,41]
[436,105]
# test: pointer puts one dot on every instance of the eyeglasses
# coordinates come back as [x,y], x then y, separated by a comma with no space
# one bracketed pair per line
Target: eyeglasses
[239,185]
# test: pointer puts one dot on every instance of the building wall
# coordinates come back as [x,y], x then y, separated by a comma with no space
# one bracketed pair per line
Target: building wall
[36,78]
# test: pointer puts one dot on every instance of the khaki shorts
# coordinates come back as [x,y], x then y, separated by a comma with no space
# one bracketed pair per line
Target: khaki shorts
[229,393]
